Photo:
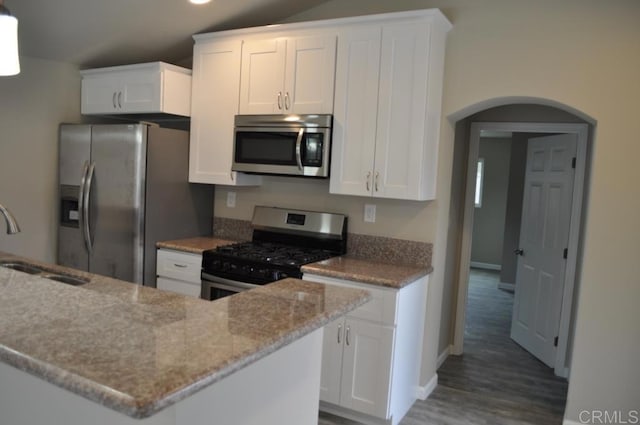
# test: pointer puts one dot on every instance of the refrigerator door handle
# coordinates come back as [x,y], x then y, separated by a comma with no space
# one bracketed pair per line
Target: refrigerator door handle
[86,231]
[81,196]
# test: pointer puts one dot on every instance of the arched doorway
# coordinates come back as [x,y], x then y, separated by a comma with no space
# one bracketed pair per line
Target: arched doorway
[524,115]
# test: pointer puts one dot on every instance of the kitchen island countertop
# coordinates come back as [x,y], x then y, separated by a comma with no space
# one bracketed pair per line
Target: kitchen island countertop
[138,350]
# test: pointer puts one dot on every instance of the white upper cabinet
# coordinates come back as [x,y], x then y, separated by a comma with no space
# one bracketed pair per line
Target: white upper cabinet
[387,108]
[288,75]
[387,72]
[355,111]
[216,84]
[155,87]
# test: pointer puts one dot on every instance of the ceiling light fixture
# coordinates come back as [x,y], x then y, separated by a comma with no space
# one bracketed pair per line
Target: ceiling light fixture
[199,1]
[9,59]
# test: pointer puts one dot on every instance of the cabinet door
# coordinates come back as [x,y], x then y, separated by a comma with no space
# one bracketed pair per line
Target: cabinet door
[310,75]
[216,84]
[400,135]
[122,92]
[100,94]
[355,112]
[366,367]
[140,92]
[262,77]
[332,361]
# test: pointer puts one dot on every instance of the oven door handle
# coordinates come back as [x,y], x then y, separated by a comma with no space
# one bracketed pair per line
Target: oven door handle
[233,283]
[299,148]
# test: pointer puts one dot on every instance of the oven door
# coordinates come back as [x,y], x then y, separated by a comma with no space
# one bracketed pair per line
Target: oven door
[215,287]
[295,151]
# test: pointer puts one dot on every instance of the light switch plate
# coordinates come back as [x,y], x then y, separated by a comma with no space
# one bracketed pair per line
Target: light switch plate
[370,213]
[231,199]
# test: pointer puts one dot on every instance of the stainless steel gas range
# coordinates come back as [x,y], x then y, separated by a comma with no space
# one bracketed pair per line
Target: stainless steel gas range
[283,241]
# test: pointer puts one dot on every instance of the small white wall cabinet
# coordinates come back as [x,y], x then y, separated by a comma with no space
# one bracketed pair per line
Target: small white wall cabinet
[216,84]
[388,98]
[288,75]
[155,87]
[178,272]
[371,358]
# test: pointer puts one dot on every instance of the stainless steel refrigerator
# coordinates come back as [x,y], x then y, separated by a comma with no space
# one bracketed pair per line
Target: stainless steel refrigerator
[124,187]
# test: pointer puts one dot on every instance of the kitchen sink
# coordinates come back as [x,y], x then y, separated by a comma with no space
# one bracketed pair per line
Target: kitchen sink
[40,272]
[70,280]
[21,267]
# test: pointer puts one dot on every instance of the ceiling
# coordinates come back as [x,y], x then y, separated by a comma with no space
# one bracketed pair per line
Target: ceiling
[92,33]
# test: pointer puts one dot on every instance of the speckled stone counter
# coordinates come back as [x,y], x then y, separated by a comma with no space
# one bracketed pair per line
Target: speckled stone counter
[372,272]
[137,350]
[194,245]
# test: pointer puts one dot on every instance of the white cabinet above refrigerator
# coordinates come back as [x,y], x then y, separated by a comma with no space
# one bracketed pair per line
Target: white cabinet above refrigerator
[155,87]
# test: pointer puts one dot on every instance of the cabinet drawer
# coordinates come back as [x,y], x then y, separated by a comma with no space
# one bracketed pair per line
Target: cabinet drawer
[382,306]
[178,286]
[179,265]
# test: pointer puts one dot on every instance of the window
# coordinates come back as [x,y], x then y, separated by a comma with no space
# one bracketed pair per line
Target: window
[479,179]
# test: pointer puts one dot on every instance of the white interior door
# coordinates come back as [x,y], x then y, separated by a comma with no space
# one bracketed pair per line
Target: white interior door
[544,235]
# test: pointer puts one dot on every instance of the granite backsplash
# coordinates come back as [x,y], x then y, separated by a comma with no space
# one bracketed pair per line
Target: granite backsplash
[367,247]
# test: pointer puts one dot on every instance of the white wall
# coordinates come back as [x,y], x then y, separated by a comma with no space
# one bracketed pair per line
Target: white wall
[398,219]
[32,104]
[583,54]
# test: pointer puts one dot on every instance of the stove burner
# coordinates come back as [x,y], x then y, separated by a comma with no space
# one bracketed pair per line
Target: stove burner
[274,253]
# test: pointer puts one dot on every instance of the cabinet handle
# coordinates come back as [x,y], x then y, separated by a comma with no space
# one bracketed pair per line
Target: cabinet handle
[181,266]
[120,100]
[286,101]
[280,100]
[339,332]
[114,100]
[368,178]
[346,337]
[231,175]
[377,178]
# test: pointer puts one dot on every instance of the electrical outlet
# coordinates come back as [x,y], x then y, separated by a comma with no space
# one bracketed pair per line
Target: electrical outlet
[231,199]
[370,213]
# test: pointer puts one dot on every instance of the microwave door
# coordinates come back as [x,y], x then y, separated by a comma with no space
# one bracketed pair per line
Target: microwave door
[268,152]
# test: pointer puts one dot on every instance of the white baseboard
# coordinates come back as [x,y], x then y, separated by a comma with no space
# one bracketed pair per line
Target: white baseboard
[443,356]
[486,266]
[506,286]
[423,392]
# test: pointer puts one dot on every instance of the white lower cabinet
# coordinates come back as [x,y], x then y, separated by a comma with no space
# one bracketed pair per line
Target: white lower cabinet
[371,358]
[179,272]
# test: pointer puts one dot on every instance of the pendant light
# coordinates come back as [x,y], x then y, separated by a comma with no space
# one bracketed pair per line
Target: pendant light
[9,60]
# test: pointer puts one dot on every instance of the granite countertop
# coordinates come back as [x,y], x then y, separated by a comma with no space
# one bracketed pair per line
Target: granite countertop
[373,272]
[194,245]
[136,349]
[345,267]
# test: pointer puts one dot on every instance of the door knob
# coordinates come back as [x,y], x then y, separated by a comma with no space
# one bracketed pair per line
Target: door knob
[518,251]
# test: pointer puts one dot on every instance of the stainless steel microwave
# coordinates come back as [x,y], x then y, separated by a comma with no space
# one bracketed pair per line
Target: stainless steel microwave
[295,145]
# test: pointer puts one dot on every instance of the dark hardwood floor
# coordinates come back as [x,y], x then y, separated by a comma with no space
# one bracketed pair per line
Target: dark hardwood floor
[495,381]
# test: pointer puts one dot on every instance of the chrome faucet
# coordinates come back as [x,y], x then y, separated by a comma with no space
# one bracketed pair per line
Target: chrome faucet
[12,224]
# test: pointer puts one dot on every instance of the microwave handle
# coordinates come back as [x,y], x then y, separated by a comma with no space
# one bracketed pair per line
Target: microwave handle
[299,148]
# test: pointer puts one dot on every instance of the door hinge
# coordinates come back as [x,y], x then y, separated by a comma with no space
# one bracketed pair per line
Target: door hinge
[573,162]
[565,254]
[555,342]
